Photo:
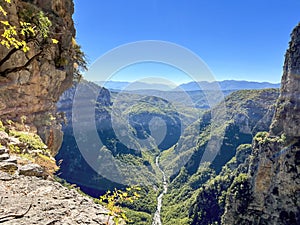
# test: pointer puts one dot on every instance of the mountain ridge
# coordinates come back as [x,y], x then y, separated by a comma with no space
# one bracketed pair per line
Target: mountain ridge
[228,85]
[224,85]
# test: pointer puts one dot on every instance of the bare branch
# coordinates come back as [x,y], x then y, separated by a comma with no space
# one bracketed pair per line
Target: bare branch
[19,68]
[9,54]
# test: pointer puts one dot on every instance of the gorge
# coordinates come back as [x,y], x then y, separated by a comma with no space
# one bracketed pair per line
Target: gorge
[203,195]
[147,140]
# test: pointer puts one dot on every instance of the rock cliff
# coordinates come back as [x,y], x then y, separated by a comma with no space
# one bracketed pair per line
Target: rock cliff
[28,96]
[273,181]
[31,92]
[287,119]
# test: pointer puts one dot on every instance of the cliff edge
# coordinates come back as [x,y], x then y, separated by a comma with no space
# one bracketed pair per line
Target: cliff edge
[270,193]
[29,95]
[31,83]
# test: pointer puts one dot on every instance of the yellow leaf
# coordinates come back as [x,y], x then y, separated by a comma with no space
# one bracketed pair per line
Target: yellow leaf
[3,11]
[6,23]
[136,195]
[25,49]
[31,29]
[54,41]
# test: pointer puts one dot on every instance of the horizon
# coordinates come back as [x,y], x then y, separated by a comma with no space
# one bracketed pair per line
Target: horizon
[124,81]
[147,85]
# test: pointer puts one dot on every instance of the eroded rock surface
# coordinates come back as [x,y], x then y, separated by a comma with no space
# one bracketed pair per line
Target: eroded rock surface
[47,202]
[33,91]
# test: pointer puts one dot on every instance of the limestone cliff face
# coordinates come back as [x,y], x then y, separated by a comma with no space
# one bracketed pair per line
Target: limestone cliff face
[273,175]
[287,119]
[33,91]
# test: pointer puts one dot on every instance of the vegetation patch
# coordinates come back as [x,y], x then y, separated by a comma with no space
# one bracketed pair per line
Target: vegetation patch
[30,148]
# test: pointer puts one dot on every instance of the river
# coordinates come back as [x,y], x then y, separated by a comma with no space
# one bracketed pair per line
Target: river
[156,218]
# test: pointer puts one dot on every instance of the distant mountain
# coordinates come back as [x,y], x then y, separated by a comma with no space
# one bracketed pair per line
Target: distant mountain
[121,85]
[228,85]
[113,85]
[191,86]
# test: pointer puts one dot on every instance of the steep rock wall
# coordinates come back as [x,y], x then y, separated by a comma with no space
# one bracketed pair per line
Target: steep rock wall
[274,196]
[287,119]
[33,91]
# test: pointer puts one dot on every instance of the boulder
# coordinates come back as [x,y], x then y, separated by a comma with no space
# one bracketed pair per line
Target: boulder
[31,170]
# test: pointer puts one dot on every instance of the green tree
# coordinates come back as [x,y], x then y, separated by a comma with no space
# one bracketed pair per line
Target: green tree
[80,60]
[33,30]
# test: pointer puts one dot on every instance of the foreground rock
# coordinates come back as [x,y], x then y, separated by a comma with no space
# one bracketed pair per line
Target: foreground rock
[31,170]
[31,200]
[28,194]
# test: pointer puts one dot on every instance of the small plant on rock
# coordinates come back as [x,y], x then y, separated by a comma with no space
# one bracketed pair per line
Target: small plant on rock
[113,199]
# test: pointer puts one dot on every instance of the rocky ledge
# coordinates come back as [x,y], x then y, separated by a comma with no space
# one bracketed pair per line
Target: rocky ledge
[29,193]
[9,164]
[33,200]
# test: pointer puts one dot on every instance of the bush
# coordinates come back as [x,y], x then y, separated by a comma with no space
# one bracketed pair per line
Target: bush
[32,141]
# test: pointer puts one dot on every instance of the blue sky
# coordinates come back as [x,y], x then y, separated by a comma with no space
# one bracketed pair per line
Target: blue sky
[241,40]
